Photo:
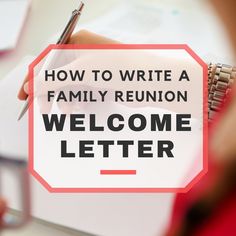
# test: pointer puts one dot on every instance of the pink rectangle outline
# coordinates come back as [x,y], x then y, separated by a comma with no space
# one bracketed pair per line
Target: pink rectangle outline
[120,190]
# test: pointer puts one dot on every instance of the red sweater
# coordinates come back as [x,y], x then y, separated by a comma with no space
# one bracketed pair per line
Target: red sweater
[221,223]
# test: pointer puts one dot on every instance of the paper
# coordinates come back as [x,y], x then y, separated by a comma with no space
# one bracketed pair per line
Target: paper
[12,17]
[167,22]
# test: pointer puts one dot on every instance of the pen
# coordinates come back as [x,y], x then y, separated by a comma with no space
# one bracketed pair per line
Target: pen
[67,32]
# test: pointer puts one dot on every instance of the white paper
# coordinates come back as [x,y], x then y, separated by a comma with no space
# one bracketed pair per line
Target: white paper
[167,22]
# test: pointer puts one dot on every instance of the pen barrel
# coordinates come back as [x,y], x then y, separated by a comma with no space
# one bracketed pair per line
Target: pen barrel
[65,36]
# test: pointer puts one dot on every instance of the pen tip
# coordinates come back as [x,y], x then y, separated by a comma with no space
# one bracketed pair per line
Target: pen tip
[24,110]
[20,116]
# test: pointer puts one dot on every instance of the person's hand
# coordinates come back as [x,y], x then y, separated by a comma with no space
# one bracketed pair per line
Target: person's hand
[83,61]
[81,37]
[2,210]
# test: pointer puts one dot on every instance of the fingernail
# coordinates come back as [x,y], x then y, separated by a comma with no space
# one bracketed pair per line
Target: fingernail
[26,88]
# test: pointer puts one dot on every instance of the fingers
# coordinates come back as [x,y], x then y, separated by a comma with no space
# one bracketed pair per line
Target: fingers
[44,105]
[65,108]
[22,94]
[81,37]
[86,37]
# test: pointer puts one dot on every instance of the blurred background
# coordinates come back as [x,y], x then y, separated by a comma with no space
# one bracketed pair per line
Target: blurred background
[26,28]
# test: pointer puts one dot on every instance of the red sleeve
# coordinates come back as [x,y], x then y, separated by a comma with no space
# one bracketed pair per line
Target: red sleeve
[222,222]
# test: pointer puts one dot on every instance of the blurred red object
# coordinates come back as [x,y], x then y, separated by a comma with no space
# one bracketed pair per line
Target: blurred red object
[215,213]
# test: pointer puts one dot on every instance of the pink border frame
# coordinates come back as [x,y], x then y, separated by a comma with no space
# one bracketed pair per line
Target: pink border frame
[120,190]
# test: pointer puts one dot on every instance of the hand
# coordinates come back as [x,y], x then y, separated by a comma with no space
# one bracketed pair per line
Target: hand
[84,61]
[81,37]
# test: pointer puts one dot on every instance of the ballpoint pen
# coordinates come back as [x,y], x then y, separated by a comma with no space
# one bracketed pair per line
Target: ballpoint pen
[67,32]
